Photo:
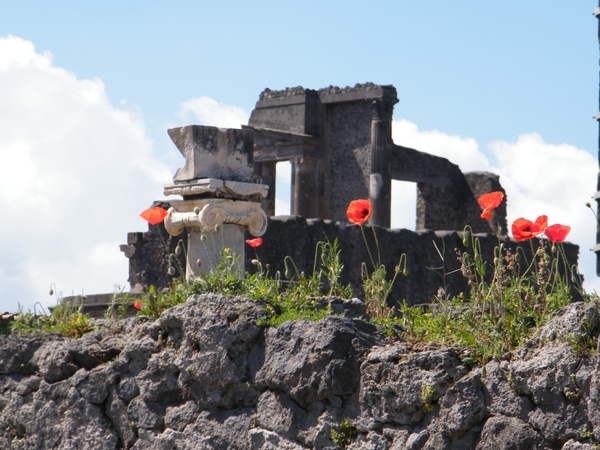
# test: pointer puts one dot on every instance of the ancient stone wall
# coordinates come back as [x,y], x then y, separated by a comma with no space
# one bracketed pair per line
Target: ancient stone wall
[297,238]
[349,141]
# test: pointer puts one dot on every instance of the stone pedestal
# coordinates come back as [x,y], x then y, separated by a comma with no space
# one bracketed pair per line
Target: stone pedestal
[220,201]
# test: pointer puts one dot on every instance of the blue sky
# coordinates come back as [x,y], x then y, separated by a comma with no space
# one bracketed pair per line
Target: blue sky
[88,91]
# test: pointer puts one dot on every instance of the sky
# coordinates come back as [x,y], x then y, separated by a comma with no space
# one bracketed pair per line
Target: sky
[88,90]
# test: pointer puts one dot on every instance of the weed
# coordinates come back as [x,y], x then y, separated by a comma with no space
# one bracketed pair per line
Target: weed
[65,318]
[498,314]
[428,397]
[345,435]
[154,302]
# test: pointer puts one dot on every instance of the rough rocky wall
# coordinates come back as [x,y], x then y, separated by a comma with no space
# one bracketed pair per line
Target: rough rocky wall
[206,376]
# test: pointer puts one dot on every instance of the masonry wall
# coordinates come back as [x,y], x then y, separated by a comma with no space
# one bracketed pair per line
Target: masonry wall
[297,238]
[348,129]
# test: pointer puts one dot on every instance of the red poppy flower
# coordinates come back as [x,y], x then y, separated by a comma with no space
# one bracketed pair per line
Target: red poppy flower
[154,215]
[137,305]
[490,202]
[557,232]
[523,229]
[256,242]
[359,211]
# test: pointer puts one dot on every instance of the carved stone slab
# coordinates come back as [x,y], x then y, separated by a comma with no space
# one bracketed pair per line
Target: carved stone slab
[210,152]
[218,189]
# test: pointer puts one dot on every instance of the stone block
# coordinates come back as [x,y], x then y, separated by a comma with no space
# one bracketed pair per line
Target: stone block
[211,152]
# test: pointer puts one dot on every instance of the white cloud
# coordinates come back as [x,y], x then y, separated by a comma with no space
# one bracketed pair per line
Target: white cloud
[207,111]
[74,174]
[539,178]
[465,151]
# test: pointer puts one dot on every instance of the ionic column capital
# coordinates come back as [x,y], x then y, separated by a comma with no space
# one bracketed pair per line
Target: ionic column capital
[206,215]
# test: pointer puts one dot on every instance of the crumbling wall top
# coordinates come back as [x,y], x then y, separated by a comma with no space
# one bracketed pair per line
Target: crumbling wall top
[269,94]
[331,94]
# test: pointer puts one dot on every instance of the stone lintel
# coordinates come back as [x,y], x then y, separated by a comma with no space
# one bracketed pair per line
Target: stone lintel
[274,145]
[218,188]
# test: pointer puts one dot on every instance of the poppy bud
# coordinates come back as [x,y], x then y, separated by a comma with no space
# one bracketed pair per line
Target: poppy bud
[588,205]
[466,237]
[553,248]
[51,292]
[217,228]
[198,263]
[256,262]
[573,278]
[203,237]
[171,271]
[517,257]
[178,249]
[288,274]
[196,210]
[405,272]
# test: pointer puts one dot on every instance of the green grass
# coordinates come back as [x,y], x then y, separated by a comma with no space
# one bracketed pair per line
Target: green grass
[66,319]
[497,315]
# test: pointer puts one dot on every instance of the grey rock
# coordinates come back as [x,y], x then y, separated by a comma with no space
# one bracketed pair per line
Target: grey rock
[393,381]
[501,397]
[261,439]
[463,407]
[145,415]
[509,433]
[311,361]
[574,445]
[116,411]
[178,417]
[416,441]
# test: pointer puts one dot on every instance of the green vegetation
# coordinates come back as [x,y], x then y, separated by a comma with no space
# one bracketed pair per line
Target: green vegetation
[497,316]
[509,298]
[428,397]
[345,435]
[65,319]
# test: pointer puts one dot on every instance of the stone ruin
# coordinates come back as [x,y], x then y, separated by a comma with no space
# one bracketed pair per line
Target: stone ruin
[339,144]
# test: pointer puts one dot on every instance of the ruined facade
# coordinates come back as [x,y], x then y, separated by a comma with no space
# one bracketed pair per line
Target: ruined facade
[339,143]
[340,148]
